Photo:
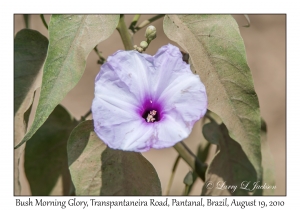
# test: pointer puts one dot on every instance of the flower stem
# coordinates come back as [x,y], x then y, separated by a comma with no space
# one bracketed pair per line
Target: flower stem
[200,167]
[187,189]
[124,33]
[44,21]
[184,155]
[191,159]
[188,149]
[172,175]
[146,22]
[134,22]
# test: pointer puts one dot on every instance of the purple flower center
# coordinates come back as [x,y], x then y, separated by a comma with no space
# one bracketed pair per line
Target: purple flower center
[151,111]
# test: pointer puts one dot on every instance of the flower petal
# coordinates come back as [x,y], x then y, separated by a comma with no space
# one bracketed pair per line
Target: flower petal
[120,89]
[185,100]
[169,66]
[183,93]
[169,132]
[131,70]
[128,136]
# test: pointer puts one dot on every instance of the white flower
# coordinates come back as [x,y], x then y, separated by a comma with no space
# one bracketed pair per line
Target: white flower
[144,101]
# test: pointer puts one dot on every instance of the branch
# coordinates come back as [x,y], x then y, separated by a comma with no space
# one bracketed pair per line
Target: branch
[124,33]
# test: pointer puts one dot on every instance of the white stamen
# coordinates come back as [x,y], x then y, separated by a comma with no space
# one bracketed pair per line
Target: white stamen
[151,115]
[153,112]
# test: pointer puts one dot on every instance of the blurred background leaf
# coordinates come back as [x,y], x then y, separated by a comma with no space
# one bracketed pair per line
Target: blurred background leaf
[72,38]
[30,49]
[99,170]
[46,163]
[230,166]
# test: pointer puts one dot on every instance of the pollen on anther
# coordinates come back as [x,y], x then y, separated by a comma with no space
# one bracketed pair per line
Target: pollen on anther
[150,117]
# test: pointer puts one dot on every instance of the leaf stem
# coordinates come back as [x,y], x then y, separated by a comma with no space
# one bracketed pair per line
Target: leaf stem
[124,33]
[200,167]
[207,115]
[146,22]
[83,118]
[134,22]
[191,159]
[172,175]
[248,20]
[26,20]
[44,21]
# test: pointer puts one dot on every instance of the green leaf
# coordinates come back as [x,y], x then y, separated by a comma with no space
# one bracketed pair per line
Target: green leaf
[230,167]
[99,170]
[267,162]
[210,134]
[72,37]
[46,155]
[30,49]
[217,54]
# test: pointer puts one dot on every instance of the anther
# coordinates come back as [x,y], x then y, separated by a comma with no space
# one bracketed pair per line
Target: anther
[150,117]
